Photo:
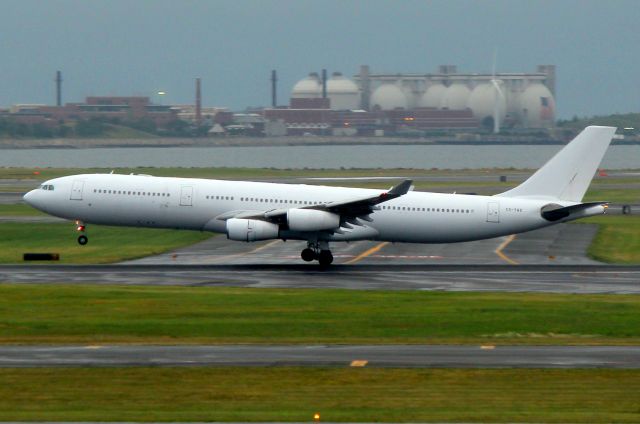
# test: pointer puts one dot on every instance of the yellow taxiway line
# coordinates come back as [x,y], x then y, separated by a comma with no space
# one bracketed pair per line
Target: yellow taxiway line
[503,245]
[366,253]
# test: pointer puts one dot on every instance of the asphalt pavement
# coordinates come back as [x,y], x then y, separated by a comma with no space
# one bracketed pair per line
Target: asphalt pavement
[415,356]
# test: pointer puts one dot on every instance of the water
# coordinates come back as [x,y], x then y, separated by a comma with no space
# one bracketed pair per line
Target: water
[298,157]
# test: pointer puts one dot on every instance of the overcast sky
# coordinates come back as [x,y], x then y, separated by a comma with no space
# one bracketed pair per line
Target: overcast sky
[137,47]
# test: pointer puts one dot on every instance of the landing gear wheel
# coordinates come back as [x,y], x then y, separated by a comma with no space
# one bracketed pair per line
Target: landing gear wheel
[82,240]
[308,255]
[325,258]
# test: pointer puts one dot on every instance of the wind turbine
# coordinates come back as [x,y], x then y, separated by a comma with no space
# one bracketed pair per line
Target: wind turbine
[497,96]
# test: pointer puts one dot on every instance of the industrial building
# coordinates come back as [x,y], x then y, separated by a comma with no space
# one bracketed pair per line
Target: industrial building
[107,108]
[408,103]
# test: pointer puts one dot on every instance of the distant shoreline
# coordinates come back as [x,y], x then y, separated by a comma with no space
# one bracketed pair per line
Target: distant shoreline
[90,143]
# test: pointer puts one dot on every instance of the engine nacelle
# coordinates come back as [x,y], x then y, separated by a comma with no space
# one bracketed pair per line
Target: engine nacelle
[311,220]
[251,230]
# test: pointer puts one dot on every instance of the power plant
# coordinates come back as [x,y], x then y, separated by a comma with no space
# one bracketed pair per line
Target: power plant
[513,100]
[367,104]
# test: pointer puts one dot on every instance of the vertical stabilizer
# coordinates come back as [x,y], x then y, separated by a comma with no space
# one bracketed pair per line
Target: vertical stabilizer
[568,174]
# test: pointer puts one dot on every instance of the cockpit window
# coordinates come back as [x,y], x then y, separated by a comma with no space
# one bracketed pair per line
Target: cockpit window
[46,187]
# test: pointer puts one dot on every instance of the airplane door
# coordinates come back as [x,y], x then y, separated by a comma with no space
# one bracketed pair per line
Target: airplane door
[493,212]
[76,190]
[186,196]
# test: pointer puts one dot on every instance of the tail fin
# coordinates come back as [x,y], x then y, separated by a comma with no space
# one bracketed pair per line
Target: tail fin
[568,174]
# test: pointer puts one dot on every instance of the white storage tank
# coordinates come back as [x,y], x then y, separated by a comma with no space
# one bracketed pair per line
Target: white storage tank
[432,97]
[537,107]
[343,93]
[307,88]
[482,102]
[455,97]
[388,97]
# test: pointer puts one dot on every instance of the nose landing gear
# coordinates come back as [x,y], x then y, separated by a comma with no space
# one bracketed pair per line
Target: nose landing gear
[317,251]
[82,238]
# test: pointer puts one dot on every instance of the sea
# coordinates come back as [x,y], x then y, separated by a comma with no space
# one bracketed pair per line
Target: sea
[310,157]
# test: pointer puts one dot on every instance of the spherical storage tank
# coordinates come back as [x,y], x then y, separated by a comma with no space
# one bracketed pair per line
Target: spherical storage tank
[307,88]
[537,107]
[433,96]
[343,93]
[482,101]
[455,97]
[388,97]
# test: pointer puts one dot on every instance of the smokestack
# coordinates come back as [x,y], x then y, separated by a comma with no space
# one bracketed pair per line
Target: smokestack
[274,89]
[58,88]
[198,103]
[365,87]
[324,83]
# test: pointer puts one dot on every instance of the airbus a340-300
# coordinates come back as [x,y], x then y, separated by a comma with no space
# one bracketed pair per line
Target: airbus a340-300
[251,211]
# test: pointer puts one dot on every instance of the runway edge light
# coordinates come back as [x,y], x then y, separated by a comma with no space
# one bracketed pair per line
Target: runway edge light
[316,417]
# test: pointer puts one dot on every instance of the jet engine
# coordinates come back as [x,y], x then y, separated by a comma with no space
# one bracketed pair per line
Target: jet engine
[311,220]
[251,230]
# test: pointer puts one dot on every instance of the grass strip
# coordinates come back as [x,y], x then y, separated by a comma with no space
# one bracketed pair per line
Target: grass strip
[296,394]
[174,315]
[19,209]
[617,240]
[106,244]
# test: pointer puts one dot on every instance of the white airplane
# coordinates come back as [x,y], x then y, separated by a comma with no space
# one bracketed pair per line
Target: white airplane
[252,211]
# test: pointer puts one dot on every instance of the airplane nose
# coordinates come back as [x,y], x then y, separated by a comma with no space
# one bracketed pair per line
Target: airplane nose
[30,198]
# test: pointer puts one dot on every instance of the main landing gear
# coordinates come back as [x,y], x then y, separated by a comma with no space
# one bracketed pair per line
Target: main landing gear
[82,238]
[317,251]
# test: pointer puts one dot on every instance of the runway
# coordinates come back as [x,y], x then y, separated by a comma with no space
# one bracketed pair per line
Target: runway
[414,356]
[523,278]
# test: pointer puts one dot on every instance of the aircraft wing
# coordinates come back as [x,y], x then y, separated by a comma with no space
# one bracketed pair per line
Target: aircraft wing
[347,209]
[365,205]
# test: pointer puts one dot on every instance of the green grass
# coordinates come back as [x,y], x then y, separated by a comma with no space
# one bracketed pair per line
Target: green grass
[116,314]
[106,244]
[618,239]
[296,394]
[613,195]
[19,209]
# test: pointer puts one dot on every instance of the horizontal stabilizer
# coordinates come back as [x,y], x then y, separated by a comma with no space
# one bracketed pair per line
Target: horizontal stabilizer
[556,212]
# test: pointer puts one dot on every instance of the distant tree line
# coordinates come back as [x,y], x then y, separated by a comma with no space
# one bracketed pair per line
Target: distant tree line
[94,128]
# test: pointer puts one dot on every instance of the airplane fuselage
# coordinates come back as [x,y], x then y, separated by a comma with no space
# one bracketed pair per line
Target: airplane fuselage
[199,204]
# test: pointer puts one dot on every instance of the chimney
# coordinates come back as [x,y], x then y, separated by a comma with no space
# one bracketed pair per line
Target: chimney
[58,88]
[274,87]
[198,103]
[365,87]
[324,83]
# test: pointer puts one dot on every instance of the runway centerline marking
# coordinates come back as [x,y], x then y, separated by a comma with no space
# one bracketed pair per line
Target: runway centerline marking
[503,245]
[366,253]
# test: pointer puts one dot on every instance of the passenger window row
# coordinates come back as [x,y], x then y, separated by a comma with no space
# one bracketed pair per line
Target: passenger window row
[131,193]
[263,200]
[220,197]
[406,208]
